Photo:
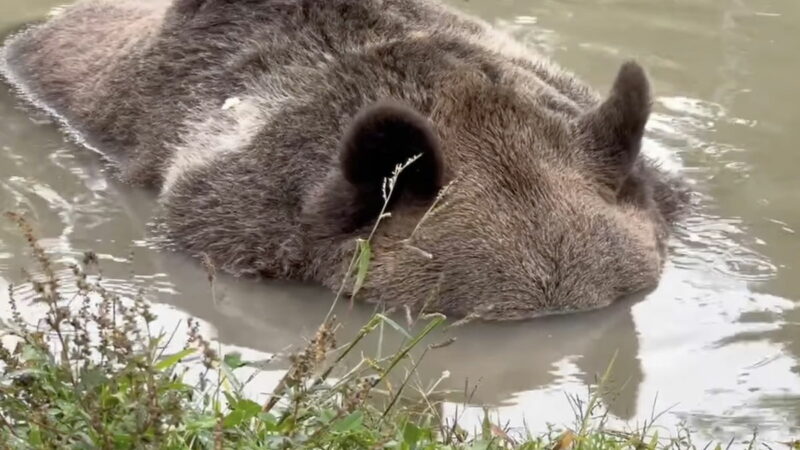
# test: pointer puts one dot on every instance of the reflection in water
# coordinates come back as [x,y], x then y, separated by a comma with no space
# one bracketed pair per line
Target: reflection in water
[718,342]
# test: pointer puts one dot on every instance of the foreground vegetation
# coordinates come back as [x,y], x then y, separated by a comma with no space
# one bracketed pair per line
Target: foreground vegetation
[92,374]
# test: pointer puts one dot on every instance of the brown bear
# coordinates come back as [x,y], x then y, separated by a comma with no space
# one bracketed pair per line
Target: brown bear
[270,128]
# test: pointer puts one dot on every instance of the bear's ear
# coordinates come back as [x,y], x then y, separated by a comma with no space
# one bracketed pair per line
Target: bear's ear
[612,132]
[380,138]
[387,134]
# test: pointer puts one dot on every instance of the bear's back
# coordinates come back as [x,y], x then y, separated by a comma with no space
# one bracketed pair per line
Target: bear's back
[141,78]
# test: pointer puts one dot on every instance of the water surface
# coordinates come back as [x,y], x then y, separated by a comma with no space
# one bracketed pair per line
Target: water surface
[716,346]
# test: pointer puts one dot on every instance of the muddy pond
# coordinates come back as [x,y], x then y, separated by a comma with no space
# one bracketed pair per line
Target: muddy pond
[716,346]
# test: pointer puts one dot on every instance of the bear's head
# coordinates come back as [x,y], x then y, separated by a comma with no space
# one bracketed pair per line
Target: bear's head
[507,209]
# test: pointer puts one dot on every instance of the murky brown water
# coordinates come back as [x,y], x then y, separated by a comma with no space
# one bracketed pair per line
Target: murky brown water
[718,344]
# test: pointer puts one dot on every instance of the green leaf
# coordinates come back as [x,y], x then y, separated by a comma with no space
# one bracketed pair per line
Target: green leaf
[482,444]
[123,440]
[268,419]
[362,264]
[244,411]
[67,408]
[486,426]
[230,378]
[170,361]
[326,415]
[35,436]
[92,378]
[234,360]
[205,422]
[394,325]
[349,423]
[411,434]
[654,441]
[32,353]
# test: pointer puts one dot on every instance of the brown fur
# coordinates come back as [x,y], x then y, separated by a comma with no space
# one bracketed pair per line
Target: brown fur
[270,125]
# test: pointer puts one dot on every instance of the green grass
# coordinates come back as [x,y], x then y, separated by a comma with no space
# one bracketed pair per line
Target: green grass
[93,374]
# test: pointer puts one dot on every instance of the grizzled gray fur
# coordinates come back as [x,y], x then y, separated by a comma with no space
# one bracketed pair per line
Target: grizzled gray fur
[269,126]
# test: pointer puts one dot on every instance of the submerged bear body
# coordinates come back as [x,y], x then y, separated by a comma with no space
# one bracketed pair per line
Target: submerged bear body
[269,128]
